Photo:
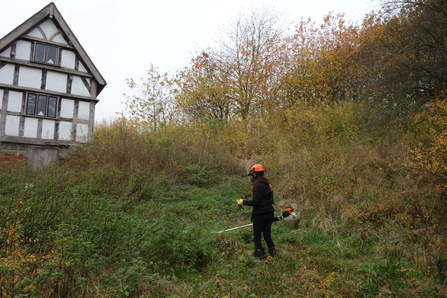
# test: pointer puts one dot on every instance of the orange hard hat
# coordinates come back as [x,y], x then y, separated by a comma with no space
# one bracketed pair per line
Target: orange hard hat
[256,168]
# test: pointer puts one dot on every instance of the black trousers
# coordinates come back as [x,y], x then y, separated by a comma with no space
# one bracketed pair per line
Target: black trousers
[262,226]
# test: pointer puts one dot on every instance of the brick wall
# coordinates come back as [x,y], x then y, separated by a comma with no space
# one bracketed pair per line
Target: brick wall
[11,158]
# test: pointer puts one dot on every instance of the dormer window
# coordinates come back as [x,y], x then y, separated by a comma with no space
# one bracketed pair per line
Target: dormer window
[41,105]
[46,53]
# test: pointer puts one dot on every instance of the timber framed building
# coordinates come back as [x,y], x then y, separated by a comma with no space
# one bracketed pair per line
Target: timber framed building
[48,89]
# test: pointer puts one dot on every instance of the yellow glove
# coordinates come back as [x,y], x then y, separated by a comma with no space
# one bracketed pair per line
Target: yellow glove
[240,202]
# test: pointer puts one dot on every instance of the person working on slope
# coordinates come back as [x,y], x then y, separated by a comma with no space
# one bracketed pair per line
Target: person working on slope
[263,211]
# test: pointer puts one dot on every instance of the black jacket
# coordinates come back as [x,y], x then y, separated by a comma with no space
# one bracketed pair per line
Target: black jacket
[262,201]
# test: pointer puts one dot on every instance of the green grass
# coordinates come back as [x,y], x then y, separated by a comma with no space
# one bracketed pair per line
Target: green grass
[158,241]
[129,225]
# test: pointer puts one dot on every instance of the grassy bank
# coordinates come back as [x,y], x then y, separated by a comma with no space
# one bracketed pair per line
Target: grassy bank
[134,213]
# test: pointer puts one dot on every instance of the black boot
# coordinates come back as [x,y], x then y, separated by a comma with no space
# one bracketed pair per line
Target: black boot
[272,251]
[259,253]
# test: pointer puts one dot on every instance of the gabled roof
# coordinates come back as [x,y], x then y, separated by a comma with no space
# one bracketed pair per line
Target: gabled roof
[51,12]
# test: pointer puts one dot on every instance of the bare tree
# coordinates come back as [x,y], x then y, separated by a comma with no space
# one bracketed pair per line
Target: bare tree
[417,55]
[152,106]
[244,62]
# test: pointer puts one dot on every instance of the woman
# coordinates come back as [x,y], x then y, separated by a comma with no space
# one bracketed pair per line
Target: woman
[263,211]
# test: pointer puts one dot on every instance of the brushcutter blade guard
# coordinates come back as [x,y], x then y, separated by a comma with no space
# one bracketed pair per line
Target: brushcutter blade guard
[290,217]
[288,214]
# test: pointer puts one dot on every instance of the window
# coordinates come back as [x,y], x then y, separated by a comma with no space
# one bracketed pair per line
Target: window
[46,53]
[41,105]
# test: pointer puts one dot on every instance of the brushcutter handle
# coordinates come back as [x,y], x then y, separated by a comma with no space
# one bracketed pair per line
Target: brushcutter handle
[241,207]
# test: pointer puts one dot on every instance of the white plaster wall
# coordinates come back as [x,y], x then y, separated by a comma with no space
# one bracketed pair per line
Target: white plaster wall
[48,129]
[56,82]
[6,52]
[67,107]
[65,131]
[30,130]
[84,110]
[35,33]
[81,132]
[7,74]
[14,101]
[12,125]
[50,29]
[23,50]
[68,59]
[78,87]
[30,77]
[60,39]
[82,67]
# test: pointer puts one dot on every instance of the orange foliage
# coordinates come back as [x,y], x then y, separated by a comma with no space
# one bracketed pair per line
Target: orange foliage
[430,162]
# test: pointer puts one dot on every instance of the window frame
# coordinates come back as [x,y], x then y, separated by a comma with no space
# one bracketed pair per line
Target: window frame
[37,53]
[39,102]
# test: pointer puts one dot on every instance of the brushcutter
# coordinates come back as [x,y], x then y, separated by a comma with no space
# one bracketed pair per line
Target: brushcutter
[288,214]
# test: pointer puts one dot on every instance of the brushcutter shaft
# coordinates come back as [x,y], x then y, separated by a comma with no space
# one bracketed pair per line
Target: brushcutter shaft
[232,229]
[287,215]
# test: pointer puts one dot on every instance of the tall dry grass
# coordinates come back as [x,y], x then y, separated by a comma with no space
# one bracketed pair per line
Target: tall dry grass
[362,210]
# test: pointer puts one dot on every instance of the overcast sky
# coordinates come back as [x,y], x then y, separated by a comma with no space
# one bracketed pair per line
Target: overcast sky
[123,38]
